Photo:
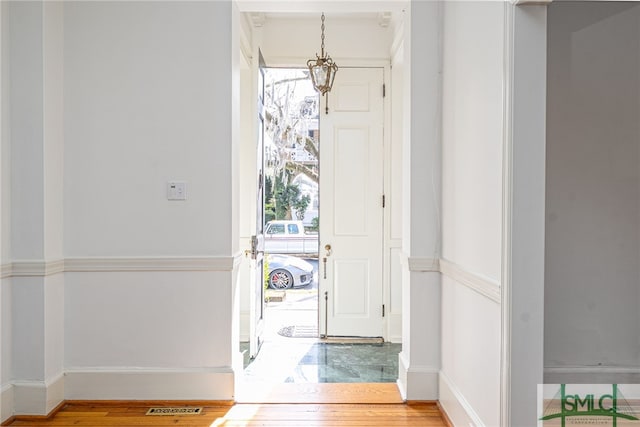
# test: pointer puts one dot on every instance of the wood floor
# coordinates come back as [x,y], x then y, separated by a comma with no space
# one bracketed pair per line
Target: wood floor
[354,411]
[318,393]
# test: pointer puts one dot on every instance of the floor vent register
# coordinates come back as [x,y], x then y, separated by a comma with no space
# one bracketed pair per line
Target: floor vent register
[174,411]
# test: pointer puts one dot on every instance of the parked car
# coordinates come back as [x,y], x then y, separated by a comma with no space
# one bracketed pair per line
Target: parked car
[289,237]
[287,271]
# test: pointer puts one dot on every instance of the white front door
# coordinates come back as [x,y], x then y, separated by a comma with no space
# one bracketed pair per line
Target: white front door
[351,211]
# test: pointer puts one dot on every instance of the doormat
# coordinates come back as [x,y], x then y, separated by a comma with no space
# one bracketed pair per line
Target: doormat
[299,331]
[174,411]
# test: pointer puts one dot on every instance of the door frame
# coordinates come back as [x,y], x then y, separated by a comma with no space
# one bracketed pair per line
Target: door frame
[392,244]
[515,238]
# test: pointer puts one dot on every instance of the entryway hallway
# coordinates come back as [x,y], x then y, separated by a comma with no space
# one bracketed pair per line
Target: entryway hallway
[294,361]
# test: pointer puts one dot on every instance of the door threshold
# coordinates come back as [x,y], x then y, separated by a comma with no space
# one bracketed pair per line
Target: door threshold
[320,393]
[350,340]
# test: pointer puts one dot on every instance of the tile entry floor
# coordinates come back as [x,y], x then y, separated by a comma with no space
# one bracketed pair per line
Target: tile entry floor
[318,362]
[284,359]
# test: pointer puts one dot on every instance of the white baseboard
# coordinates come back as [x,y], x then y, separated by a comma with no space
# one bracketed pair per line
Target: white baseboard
[135,384]
[402,375]
[453,403]
[417,382]
[6,402]
[592,375]
[37,397]
[55,392]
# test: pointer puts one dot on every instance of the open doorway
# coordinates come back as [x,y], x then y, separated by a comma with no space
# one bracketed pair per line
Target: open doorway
[291,203]
[291,349]
[290,208]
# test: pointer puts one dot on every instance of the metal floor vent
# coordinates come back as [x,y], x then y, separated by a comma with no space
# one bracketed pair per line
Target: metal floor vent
[174,411]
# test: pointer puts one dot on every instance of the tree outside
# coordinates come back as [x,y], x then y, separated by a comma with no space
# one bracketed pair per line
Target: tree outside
[291,146]
[283,200]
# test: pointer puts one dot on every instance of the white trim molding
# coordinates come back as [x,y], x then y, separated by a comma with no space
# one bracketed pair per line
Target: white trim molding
[149,384]
[6,402]
[6,271]
[417,382]
[43,268]
[522,360]
[507,196]
[213,263]
[37,397]
[481,284]
[39,268]
[423,264]
[454,404]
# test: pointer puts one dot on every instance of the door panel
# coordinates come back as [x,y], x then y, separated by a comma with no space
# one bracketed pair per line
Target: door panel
[351,181]
[350,298]
[257,241]
[351,213]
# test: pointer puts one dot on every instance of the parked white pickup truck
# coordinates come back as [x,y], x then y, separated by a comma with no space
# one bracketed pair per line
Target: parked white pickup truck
[289,237]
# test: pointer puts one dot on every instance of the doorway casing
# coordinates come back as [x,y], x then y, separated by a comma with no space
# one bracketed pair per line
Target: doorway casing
[419,66]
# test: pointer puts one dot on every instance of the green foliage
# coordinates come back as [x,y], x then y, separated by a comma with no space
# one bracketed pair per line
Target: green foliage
[265,270]
[269,206]
[281,198]
[315,225]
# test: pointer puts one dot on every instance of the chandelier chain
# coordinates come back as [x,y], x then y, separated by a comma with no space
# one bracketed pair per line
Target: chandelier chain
[322,37]
[322,69]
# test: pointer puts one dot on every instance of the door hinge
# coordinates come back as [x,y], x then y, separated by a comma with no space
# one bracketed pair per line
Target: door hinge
[382,310]
[384,200]
[384,90]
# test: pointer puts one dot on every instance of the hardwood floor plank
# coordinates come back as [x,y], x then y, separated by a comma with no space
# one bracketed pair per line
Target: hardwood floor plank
[319,393]
[131,414]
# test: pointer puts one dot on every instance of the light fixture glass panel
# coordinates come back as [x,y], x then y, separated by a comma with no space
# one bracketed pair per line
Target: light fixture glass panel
[320,74]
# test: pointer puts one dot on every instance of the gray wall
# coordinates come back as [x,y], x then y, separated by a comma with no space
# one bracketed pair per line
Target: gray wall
[592,274]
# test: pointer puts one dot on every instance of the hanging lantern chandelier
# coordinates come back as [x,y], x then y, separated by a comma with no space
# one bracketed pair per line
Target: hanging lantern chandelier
[322,69]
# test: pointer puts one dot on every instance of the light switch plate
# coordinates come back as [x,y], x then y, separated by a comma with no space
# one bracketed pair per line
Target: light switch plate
[176,190]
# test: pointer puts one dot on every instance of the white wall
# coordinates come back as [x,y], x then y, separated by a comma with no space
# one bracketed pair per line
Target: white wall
[5,120]
[53,128]
[292,41]
[593,193]
[35,143]
[6,389]
[472,144]
[176,330]
[27,112]
[419,361]
[147,101]
[148,98]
